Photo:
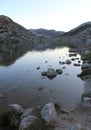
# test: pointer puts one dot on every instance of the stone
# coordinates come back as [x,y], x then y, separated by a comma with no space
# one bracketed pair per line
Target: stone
[79,61]
[27,112]
[73,50]
[46,61]
[49,114]
[72,54]
[44,73]
[73,59]
[38,68]
[51,72]
[77,64]
[27,122]
[64,67]
[85,66]
[59,71]
[17,108]
[68,62]
[60,62]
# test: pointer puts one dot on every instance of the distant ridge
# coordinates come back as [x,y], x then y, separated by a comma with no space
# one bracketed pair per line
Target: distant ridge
[46,33]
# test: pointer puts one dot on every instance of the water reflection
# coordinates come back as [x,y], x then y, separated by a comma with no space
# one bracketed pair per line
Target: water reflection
[10,53]
[21,81]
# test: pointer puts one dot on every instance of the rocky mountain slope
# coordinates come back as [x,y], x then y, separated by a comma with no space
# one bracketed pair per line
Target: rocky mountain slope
[11,32]
[80,35]
[46,33]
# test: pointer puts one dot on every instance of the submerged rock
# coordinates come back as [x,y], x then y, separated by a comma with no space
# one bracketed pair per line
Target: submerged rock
[68,62]
[51,72]
[44,73]
[72,54]
[59,71]
[38,68]
[77,64]
[73,59]
[73,50]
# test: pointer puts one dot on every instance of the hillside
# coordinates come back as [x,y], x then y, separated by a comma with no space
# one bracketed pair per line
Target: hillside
[11,32]
[80,35]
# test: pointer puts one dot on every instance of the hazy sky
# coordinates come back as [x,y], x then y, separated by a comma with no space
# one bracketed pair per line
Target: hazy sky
[50,14]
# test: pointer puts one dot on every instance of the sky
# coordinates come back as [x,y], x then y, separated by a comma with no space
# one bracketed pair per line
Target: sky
[62,15]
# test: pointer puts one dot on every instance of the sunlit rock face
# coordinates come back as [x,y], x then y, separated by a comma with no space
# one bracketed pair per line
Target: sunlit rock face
[11,32]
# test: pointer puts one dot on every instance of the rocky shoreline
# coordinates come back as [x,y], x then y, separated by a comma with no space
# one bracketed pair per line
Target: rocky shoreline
[48,117]
[52,116]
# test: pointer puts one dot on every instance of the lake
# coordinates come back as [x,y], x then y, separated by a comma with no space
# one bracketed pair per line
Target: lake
[21,82]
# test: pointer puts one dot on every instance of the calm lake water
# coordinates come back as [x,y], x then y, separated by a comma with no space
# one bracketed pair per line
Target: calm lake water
[21,82]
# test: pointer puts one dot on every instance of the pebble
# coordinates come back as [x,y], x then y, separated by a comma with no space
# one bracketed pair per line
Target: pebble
[38,68]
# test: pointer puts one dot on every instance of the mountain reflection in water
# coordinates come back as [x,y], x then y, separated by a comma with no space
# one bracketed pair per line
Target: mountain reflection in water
[21,82]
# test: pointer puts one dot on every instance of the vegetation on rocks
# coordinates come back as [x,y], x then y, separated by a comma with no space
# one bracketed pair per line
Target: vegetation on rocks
[85,72]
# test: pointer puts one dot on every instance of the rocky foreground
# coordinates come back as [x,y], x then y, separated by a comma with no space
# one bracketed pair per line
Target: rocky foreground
[48,117]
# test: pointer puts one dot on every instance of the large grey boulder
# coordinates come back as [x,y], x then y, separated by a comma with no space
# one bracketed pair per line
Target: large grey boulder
[17,108]
[27,122]
[49,114]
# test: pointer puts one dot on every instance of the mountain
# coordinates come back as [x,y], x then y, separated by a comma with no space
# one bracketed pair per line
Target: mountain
[80,35]
[11,32]
[83,28]
[46,33]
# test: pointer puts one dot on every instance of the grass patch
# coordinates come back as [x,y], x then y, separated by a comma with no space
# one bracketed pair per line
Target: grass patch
[10,119]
